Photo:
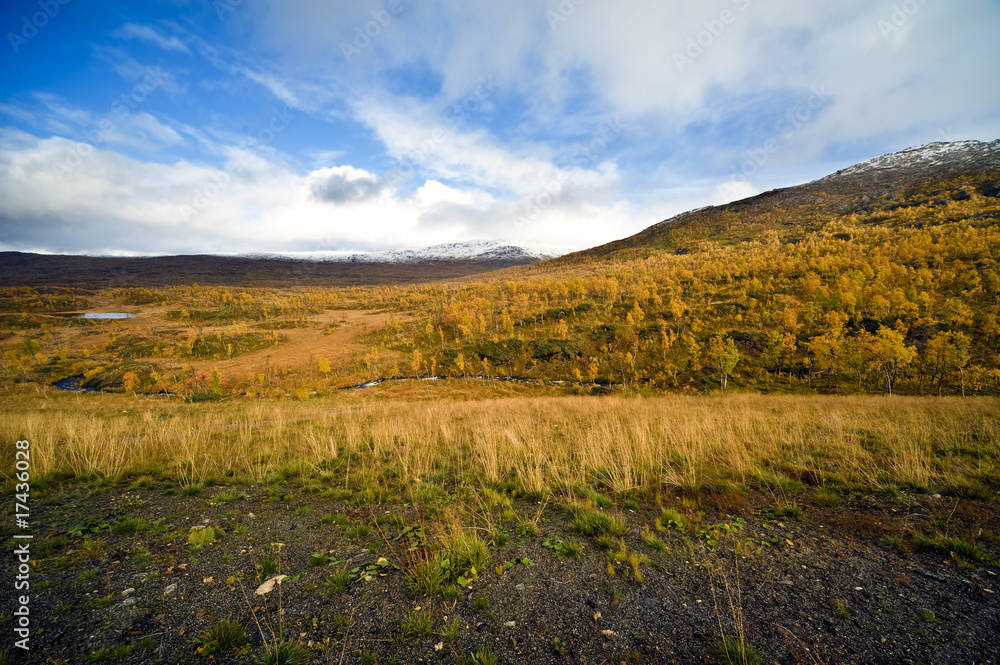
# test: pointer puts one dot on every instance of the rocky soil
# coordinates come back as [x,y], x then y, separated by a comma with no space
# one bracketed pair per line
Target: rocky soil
[137,572]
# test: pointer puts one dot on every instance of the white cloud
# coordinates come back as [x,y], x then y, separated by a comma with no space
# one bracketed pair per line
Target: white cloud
[151,36]
[696,89]
[101,199]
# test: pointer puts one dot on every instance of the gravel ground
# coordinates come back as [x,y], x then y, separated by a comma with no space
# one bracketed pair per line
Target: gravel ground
[811,584]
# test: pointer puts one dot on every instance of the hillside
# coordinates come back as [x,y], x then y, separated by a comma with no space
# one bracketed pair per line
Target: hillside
[908,178]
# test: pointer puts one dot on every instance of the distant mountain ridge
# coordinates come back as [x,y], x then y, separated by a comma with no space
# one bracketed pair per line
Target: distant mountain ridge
[472,250]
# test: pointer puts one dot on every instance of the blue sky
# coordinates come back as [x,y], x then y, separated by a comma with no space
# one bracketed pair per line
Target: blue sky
[309,125]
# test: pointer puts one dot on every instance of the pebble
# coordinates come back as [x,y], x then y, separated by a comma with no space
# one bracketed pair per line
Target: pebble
[128,592]
[128,602]
[170,589]
[519,587]
[510,624]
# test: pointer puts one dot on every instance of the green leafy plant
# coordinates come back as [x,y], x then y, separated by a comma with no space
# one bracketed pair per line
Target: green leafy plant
[669,519]
[200,537]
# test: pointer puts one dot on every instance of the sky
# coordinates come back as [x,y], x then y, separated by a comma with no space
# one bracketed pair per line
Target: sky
[244,126]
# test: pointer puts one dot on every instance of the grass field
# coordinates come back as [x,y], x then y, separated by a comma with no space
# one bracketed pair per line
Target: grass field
[390,446]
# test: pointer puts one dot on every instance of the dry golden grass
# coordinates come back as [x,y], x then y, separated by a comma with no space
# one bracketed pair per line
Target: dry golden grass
[540,444]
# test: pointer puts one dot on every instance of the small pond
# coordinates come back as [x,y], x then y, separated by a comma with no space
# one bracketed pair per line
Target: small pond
[73,384]
[106,315]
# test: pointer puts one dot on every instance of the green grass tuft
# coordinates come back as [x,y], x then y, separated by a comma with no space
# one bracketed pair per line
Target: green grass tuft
[597,523]
[737,652]
[285,653]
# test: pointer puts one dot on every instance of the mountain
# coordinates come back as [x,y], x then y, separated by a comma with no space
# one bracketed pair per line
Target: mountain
[896,179]
[405,266]
[472,250]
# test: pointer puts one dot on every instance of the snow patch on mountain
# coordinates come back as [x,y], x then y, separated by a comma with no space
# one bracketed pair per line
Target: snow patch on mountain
[927,155]
[473,250]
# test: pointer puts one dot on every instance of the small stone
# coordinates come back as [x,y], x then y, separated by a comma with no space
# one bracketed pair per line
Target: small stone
[510,624]
[608,633]
[519,587]
[128,592]
[597,616]
[170,589]
[251,516]
[858,588]
[128,602]
[439,646]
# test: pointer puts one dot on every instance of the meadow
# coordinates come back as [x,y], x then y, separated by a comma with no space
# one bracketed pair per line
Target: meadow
[390,447]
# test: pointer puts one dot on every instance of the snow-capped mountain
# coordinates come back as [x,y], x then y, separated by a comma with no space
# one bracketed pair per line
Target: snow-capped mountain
[472,250]
[937,156]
